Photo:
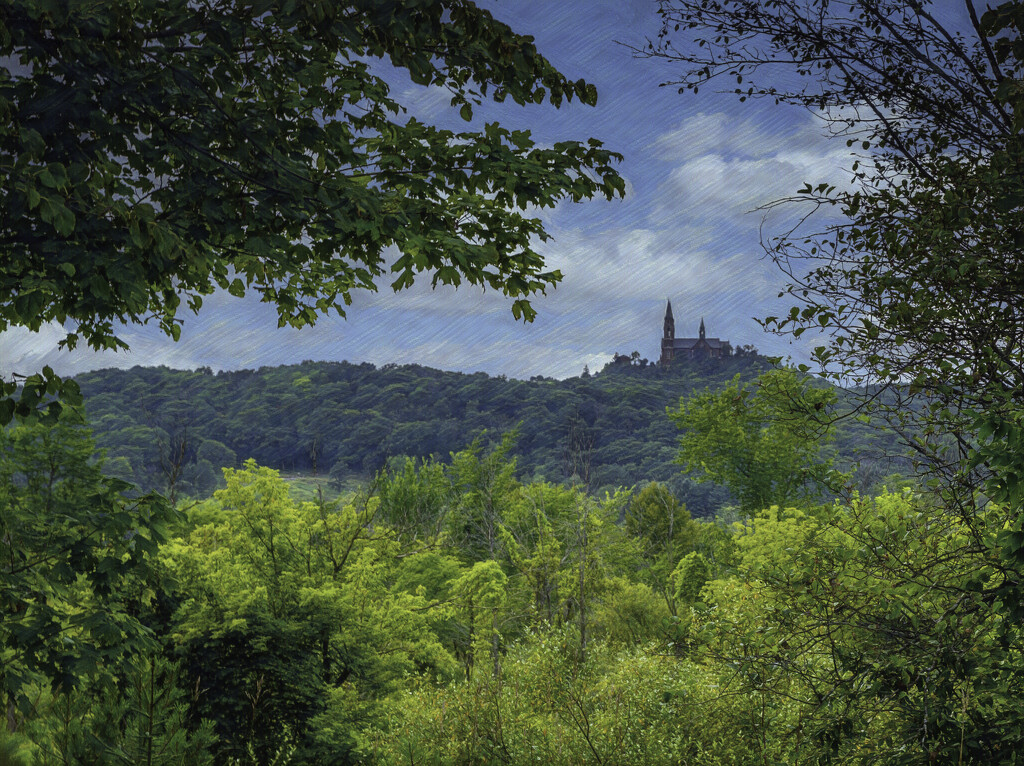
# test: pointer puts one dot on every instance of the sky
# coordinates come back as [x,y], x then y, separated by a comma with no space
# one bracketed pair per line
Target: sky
[697,169]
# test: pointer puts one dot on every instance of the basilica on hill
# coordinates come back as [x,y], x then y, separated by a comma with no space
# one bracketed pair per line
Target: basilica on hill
[695,349]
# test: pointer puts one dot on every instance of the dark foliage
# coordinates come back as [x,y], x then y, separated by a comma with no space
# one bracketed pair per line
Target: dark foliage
[347,420]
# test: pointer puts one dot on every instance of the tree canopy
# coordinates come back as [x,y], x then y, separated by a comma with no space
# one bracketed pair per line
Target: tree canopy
[764,440]
[914,275]
[459,613]
[153,152]
[172,430]
[929,104]
[77,549]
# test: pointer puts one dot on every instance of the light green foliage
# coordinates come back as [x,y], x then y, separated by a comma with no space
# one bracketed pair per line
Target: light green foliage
[142,719]
[414,498]
[313,489]
[484,486]
[482,586]
[773,537]
[533,537]
[597,549]
[717,544]
[689,578]
[763,441]
[871,632]
[77,561]
[819,649]
[617,707]
[480,594]
[291,605]
[630,613]
[655,515]
[428,573]
[926,640]
[431,575]
[664,528]
[551,527]
[558,540]
[550,531]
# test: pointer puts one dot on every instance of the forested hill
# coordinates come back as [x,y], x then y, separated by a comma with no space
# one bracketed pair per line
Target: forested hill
[346,420]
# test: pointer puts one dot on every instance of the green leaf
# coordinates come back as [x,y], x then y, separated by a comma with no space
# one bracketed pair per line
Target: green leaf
[275,173]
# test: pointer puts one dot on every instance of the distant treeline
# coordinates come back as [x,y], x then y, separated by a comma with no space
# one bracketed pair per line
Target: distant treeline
[174,430]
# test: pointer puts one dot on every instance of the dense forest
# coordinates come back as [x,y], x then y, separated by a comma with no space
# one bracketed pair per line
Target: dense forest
[174,430]
[449,612]
[642,567]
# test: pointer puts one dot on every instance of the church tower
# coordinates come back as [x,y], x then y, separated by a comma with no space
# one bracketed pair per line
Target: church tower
[696,349]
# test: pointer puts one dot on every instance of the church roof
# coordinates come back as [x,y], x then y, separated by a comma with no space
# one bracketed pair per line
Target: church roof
[688,343]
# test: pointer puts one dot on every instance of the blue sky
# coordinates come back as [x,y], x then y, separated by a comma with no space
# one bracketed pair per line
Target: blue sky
[697,168]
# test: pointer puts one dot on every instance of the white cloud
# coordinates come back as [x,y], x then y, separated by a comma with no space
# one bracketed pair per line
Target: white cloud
[426,103]
[25,352]
[685,232]
[713,134]
[721,184]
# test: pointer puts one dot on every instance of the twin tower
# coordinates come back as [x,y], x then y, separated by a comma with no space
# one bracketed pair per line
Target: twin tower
[698,348]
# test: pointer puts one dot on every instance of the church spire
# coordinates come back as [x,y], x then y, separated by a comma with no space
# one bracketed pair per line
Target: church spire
[670,323]
[702,328]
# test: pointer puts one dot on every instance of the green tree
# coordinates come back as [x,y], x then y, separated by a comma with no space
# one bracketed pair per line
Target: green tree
[630,613]
[874,628]
[484,486]
[616,706]
[481,592]
[415,498]
[217,453]
[912,271]
[152,152]
[288,621]
[916,283]
[664,525]
[77,562]
[140,718]
[764,441]
[536,540]
[689,577]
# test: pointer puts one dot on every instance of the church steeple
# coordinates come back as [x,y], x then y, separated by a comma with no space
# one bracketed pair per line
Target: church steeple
[698,349]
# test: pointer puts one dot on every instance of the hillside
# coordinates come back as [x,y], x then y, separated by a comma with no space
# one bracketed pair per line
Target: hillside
[348,420]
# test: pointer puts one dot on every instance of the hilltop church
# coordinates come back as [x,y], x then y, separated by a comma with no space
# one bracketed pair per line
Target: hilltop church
[696,349]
